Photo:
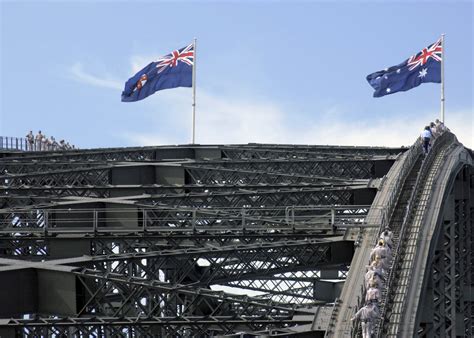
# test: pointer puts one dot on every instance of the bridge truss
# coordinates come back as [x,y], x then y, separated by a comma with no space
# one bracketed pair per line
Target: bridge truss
[429,205]
[180,241]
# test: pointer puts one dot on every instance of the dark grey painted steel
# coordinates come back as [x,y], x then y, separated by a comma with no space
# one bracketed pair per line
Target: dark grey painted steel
[143,234]
[160,226]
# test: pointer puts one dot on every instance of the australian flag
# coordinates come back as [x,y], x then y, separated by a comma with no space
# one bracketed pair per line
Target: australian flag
[420,68]
[170,71]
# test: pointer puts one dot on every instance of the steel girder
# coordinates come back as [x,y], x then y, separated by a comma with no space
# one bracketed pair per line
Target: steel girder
[447,299]
[106,154]
[18,196]
[59,178]
[263,151]
[155,189]
[216,265]
[232,221]
[255,199]
[196,326]
[107,295]
[40,245]
[291,287]
[238,199]
[210,265]
[28,167]
[170,152]
[343,168]
[25,166]
[219,175]
[101,175]
[241,199]
[173,218]
[302,153]
[116,295]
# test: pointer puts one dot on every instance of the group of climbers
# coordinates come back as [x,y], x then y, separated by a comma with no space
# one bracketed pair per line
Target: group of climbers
[380,258]
[433,130]
[42,143]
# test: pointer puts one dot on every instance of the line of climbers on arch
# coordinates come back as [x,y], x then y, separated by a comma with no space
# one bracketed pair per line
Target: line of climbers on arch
[382,256]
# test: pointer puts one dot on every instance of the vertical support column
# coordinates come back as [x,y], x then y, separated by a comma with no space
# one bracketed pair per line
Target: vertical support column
[450,274]
[463,218]
[438,272]
[443,273]
[470,220]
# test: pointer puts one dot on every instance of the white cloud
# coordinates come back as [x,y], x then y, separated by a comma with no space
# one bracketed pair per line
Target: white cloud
[78,74]
[461,123]
[227,120]
[222,120]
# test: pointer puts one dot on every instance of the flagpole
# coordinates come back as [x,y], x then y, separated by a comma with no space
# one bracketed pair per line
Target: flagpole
[194,91]
[442,79]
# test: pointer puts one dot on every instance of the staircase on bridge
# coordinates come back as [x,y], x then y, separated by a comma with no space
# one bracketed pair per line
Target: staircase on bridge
[410,305]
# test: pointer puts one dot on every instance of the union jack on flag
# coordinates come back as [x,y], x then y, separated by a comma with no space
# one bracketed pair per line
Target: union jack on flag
[186,55]
[422,67]
[170,71]
[434,51]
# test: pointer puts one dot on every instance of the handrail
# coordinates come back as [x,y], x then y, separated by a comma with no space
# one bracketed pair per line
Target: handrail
[412,156]
[439,142]
[13,143]
[387,211]
[22,144]
[327,218]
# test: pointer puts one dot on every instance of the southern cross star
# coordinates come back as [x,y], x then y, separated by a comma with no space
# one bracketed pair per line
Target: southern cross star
[423,72]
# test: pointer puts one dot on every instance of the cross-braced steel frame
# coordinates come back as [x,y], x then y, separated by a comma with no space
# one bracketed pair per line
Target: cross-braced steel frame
[448,297]
[180,241]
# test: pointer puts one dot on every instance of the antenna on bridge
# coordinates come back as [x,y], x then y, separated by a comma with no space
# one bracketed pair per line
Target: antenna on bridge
[442,79]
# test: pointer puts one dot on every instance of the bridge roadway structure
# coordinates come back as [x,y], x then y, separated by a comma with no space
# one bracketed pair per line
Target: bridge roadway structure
[233,240]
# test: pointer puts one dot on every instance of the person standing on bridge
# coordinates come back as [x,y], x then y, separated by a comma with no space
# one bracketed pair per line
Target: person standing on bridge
[380,251]
[38,141]
[373,275]
[30,140]
[426,138]
[440,127]
[373,293]
[380,263]
[367,314]
[388,251]
[387,237]
[433,130]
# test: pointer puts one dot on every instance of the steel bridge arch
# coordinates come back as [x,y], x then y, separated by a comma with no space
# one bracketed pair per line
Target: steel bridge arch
[441,306]
[279,219]
[418,192]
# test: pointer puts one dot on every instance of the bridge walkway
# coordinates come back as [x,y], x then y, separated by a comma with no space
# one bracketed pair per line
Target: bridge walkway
[396,221]
[388,206]
[394,296]
[395,225]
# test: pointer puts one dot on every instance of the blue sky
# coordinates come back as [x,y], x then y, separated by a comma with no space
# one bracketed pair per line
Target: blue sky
[267,71]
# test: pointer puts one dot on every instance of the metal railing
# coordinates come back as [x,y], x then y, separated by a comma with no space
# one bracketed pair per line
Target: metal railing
[395,189]
[385,213]
[427,162]
[13,143]
[22,144]
[327,218]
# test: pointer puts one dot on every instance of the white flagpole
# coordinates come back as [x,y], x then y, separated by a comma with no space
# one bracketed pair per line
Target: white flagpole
[442,79]
[194,91]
